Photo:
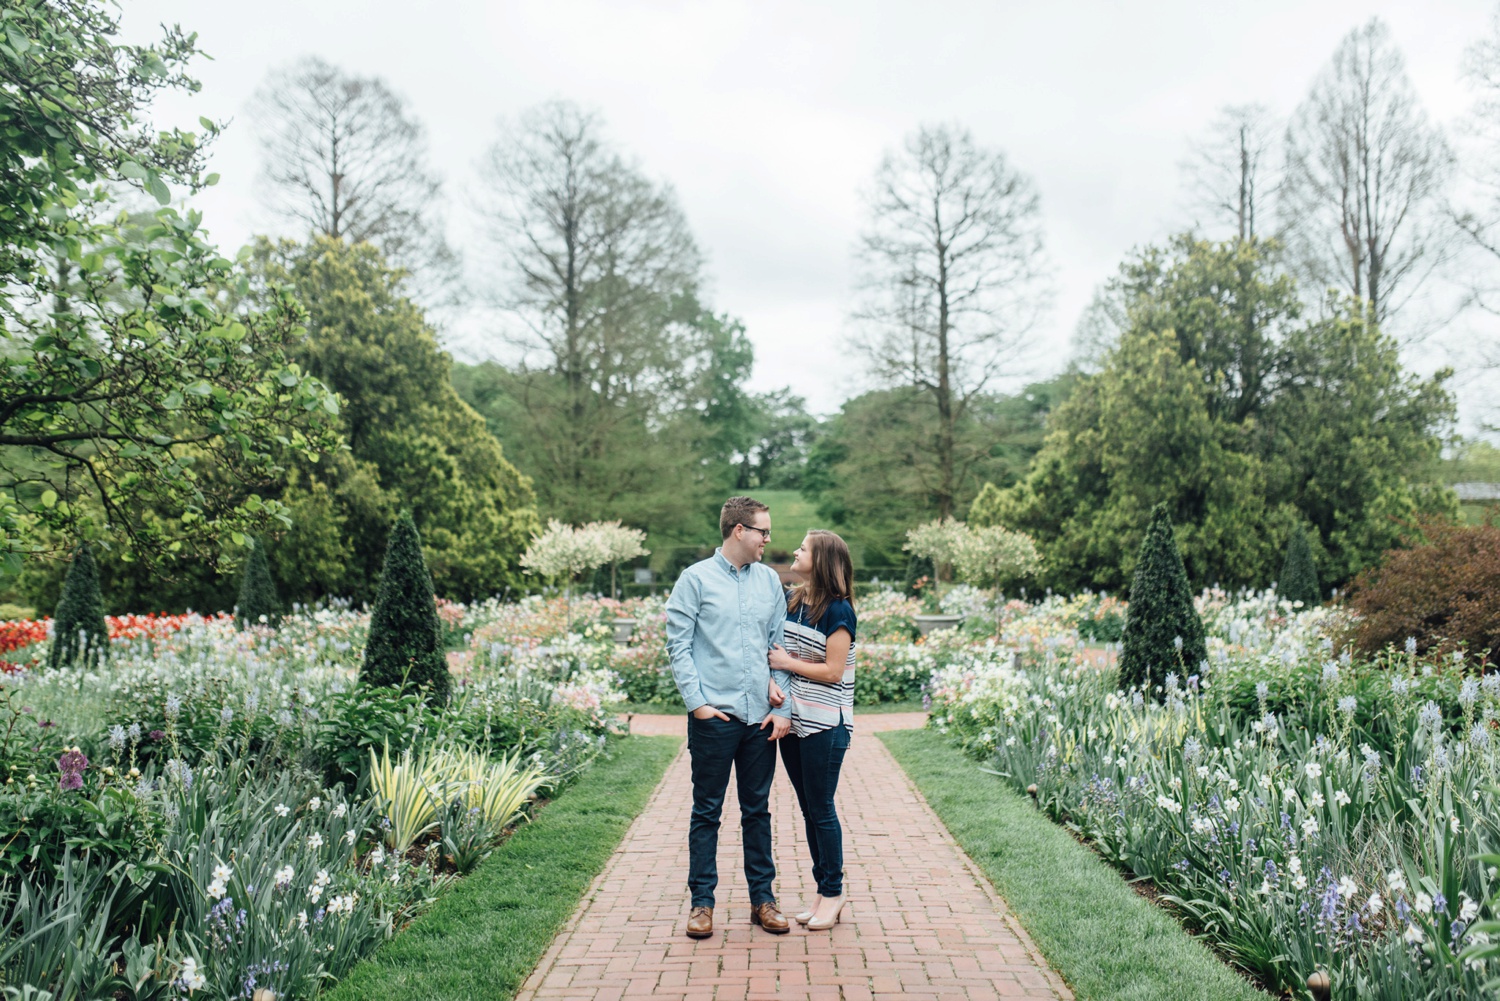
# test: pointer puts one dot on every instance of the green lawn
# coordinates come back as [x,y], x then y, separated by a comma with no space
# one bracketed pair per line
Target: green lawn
[484,936]
[1105,939]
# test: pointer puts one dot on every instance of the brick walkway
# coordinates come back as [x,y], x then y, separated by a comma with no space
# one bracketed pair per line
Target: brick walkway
[921,925]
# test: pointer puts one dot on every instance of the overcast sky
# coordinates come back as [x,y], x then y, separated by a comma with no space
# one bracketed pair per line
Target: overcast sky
[769,118]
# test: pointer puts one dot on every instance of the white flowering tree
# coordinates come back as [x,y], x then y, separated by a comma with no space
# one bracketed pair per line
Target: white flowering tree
[563,553]
[939,542]
[984,557]
[991,556]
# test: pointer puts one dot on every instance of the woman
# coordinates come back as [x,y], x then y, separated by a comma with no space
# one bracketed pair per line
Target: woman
[819,652]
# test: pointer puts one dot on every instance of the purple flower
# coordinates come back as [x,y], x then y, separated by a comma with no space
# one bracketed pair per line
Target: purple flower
[71,766]
[157,735]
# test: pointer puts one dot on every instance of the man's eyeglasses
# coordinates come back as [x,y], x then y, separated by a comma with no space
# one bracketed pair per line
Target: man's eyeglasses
[765,532]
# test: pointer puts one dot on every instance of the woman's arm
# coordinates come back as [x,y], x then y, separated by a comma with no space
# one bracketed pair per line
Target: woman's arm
[829,671]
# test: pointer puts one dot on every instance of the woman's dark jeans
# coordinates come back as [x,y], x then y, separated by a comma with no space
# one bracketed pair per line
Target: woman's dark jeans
[813,763]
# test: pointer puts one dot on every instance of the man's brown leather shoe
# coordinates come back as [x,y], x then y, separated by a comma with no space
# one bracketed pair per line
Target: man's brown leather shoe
[768,917]
[700,922]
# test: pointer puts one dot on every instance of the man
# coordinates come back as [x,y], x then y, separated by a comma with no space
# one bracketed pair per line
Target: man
[725,614]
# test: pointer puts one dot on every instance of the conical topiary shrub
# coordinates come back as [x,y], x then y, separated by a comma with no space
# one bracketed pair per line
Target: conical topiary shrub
[259,603]
[79,633]
[1162,631]
[405,646]
[1299,577]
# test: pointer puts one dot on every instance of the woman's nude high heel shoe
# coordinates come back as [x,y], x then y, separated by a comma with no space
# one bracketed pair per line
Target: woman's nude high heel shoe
[806,915]
[813,924]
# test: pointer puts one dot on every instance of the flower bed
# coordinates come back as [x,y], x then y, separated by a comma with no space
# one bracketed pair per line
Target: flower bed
[213,811]
[1305,811]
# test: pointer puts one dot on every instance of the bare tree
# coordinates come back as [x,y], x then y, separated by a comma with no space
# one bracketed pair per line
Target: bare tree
[1230,171]
[343,157]
[953,278]
[1481,222]
[603,276]
[1364,176]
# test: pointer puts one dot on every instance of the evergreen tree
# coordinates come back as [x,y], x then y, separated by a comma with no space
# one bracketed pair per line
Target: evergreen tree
[1299,577]
[259,602]
[405,646]
[78,628]
[1162,633]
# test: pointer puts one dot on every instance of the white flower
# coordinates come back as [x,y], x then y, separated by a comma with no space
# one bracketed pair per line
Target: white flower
[189,977]
[1294,864]
[302,918]
[1315,800]
[1469,910]
[1010,741]
[1347,888]
[1313,770]
[282,810]
[1169,804]
[396,876]
[315,804]
[1309,827]
[1395,880]
[1453,824]
[315,893]
[341,809]
[1175,782]
[1341,797]
[1202,825]
[1203,771]
[1374,905]
[349,836]
[321,879]
[1413,935]
[284,875]
[1232,805]
[217,889]
[1234,785]
[1423,903]
[377,856]
[1265,781]
[222,873]
[315,841]
[1120,762]
[1299,881]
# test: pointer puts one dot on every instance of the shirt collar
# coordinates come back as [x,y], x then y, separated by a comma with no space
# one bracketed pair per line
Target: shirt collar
[724,561]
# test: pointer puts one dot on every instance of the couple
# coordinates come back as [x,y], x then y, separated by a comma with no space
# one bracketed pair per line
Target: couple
[758,666]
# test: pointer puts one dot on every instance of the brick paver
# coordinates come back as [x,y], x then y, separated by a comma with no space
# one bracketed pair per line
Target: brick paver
[922,923]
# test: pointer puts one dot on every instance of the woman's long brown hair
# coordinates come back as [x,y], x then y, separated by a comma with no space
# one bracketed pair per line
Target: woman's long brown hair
[832,576]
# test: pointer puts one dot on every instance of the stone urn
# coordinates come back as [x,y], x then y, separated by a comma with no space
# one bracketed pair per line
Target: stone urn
[624,629]
[932,623]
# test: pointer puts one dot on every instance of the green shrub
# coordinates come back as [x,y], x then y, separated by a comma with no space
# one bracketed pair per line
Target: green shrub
[259,603]
[1162,630]
[78,628]
[1299,577]
[405,647]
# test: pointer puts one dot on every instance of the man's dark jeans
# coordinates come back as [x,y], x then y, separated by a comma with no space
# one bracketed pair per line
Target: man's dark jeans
[714,745]
[813,763]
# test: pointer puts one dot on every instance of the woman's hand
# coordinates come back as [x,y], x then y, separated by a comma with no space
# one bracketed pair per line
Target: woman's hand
[776,695]
[780,660]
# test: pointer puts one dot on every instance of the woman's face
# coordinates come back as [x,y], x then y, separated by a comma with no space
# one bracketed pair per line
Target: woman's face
[802,559]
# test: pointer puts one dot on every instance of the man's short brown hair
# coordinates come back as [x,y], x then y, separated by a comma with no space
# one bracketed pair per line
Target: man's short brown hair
[738,511]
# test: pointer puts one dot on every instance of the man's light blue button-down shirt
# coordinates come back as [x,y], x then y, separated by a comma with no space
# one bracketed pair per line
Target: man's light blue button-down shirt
[721,622]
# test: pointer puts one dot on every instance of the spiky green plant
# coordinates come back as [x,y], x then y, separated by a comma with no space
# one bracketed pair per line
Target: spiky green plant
[259,604]
[1299,576]
[79,633]
[405,645]
[1163,632]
